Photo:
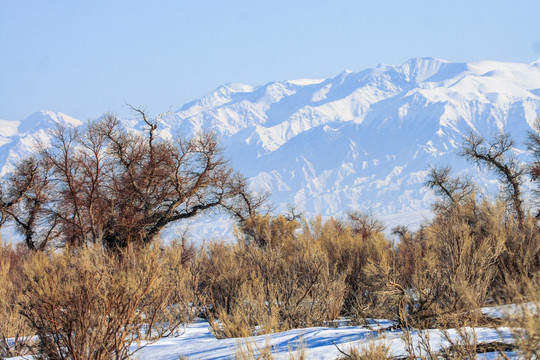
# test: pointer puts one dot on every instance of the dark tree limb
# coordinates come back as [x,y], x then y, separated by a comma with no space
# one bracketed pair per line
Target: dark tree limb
[496,155]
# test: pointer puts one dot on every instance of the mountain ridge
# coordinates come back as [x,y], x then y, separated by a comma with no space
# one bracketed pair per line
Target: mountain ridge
[360,140]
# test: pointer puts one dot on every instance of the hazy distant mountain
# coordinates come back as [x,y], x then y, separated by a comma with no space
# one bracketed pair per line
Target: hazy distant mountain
[18,138]
[361,140]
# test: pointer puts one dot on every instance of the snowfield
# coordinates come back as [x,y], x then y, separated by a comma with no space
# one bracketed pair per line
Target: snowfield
[198,342]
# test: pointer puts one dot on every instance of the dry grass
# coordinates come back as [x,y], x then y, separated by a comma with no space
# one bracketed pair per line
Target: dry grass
[250,350]
[373,350]
[525,318]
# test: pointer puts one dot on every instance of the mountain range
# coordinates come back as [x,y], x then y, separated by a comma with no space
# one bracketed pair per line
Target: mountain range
[358,141]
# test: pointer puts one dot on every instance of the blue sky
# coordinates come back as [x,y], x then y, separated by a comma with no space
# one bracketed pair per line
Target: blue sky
[85,58]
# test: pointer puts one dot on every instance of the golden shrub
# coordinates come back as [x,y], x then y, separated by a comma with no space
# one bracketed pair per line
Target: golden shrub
[88,303]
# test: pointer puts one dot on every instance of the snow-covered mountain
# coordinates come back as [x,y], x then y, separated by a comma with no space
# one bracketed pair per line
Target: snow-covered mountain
[360,140]
[18,139]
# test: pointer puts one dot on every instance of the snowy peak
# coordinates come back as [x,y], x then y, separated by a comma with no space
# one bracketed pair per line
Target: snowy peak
[18,138]
[8,128]
[418,70]
[45,119]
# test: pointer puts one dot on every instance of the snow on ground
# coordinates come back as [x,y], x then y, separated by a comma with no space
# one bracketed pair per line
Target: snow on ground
[197,342]
[511,310]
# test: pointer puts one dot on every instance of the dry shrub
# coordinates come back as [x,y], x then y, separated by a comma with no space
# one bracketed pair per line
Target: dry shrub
[520,262]
[281,294]
[376,297]
[450,266]
[282,283]
[460,343]
[284,274]
[249,314]
[524,317]
[181,272]
[224,277]
[421,350]
[463,345]
[224,273]
[468,243]
[14,330]
[265,231]
[299,282]
[350,247]
[299,350]
[89,303]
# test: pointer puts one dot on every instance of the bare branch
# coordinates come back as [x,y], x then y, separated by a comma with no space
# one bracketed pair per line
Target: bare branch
[106,185]
[496,155]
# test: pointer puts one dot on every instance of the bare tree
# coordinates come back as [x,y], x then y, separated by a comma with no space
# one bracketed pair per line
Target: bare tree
[24,201]
[453,189]
[104,184]
[496,155]
[364,223]
[533,144]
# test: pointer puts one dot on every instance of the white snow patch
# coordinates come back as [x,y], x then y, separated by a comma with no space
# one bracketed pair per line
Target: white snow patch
[306,82]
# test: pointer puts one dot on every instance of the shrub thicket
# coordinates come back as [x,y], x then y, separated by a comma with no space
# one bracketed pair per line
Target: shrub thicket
[280,283]
[14,331]
[94,303]
[90,303]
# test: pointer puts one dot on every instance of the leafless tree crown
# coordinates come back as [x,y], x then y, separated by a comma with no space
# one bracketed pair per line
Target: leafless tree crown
[104,184]
[496,154]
